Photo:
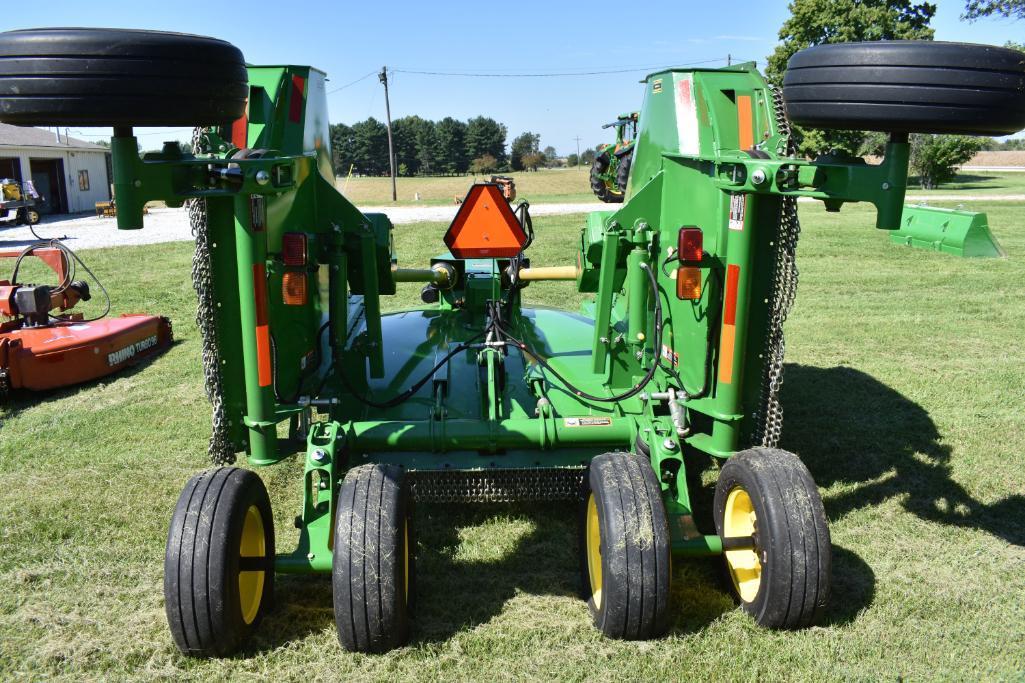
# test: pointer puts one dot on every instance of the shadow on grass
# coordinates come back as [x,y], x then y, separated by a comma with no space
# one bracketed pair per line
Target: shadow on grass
[464,582]
[851,429]
[18,400]
[960,182]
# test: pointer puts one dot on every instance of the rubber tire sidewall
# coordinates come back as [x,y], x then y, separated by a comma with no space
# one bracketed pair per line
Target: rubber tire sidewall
[772,477]
[907,87]
[618,616]
[373,616]
[201,561]
[119,77]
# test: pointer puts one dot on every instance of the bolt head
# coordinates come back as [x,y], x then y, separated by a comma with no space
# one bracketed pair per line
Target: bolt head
[758,177]
[262,177]
[318,455]
[669,445]
[886,186]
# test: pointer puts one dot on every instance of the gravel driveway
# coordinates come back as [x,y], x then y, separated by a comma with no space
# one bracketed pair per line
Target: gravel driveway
[172,225]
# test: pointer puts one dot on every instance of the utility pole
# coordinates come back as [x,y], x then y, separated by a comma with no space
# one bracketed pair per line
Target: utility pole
[577,138]
[383,76]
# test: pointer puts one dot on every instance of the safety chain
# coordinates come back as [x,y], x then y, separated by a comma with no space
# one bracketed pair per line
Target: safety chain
[497,485]
[220,449]
[768,421]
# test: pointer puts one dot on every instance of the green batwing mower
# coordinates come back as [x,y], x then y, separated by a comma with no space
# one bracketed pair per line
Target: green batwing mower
[469,395]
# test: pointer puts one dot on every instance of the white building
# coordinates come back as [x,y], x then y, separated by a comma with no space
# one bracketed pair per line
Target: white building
[70,175]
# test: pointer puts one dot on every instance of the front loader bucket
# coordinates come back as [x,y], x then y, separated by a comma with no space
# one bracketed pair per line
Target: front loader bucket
[962,233]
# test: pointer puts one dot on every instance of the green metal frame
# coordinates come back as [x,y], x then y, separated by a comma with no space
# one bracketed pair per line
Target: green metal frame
[496,407]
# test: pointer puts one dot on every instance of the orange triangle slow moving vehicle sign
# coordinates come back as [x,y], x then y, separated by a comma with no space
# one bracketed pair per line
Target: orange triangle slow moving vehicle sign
[485,226]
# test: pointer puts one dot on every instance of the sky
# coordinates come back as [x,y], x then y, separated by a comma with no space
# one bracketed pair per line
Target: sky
[352,41]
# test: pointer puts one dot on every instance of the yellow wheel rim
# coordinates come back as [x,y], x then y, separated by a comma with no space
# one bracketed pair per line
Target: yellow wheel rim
[250,582]
[594,550]
[739,519]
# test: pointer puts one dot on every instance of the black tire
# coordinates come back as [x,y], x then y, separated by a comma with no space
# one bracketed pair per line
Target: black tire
[624,548]
[119,77]
[373,566]
[907,87]
[29,216]
[784,581]
[623,174]
[220,515]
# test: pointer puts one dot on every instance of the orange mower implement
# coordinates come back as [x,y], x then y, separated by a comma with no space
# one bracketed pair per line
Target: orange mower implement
[40,350]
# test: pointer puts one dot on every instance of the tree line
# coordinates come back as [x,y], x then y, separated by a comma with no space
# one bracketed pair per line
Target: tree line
[448,146]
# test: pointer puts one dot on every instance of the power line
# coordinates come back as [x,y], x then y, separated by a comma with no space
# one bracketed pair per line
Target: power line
[554,74]
[361,78]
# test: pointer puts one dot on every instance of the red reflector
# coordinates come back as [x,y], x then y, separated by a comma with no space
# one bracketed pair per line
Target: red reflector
[691,245]
[295,106]
[293,248]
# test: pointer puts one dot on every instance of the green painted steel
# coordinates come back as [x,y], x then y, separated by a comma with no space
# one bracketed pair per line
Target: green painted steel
[951,231]
[708,154]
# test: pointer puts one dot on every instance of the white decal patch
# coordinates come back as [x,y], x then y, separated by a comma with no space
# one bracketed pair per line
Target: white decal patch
[687,115]
[738,207]
[587,421]
[130,351]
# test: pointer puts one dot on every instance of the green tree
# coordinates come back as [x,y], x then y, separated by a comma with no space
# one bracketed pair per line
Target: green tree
[343,148]
[572,159]
[532,160]
[524,144]
[370,147]
[426,147]
[1010,9]
[450,135]
[551,156]
[404,140]
[814,22]
[935,158]
[485,136]
[484,164]
[588,155]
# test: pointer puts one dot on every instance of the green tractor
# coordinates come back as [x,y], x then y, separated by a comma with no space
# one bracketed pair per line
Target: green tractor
[611,167]
[469,393]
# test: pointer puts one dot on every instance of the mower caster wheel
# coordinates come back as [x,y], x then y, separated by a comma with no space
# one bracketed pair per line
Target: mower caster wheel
[767,493]
[373,563]
[219,564]
[624,534]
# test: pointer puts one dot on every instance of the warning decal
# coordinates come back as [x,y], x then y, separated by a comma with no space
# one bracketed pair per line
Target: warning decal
[738,207]
[587,422]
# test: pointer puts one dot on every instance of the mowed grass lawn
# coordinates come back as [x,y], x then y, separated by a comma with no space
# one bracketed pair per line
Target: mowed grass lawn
[550,185]
[903,393]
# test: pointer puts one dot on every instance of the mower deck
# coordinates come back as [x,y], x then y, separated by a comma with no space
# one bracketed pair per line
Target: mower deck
[39,358]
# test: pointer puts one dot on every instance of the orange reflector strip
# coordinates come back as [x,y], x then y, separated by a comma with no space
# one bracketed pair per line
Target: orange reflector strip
[293,288]
[727,341]
[688,283]
[240,132]
[726,344]
[263,364]
[729,316]
[745,125]
[485,226]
